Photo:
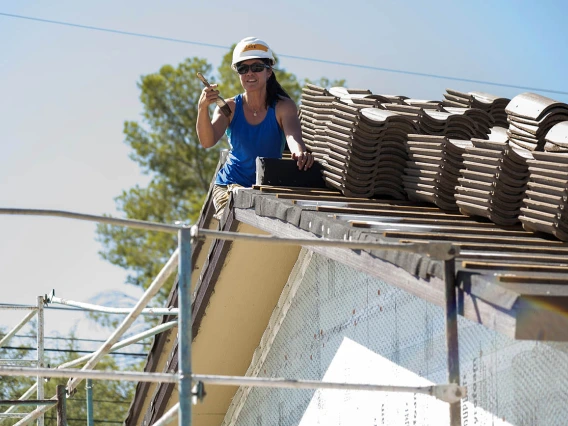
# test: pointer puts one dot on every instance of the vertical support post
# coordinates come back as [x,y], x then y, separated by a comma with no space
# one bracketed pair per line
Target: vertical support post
[40,353]
[184,326]
[89,389]
[61,406]
[452,336]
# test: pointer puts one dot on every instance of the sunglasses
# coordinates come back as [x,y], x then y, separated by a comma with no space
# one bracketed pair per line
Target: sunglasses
[256,67]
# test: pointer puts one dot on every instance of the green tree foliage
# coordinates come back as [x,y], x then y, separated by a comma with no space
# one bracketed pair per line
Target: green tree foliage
[111,398]
[165,145]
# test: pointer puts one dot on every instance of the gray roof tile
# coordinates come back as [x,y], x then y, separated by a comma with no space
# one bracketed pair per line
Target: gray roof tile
[533,106]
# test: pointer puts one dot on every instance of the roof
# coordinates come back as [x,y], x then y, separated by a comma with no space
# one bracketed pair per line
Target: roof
[511,276]
[518,277]
[510,280]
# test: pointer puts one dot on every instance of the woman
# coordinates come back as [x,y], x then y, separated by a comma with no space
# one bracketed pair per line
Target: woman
[262,119]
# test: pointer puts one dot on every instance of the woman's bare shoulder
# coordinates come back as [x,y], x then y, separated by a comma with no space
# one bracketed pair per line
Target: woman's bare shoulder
[286,105]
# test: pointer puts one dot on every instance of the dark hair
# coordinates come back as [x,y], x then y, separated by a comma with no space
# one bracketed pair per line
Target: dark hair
[273,88]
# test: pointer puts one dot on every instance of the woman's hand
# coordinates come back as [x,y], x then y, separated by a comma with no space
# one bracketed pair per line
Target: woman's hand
[208,96]
[210,130]
[305,160]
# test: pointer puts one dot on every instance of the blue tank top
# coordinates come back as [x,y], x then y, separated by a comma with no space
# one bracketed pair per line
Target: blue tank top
[248,141]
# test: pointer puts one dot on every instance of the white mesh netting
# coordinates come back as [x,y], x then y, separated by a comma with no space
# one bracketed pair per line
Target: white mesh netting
[343,325]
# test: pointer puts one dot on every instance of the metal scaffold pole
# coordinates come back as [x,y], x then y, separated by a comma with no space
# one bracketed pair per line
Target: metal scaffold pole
[40,352]
[452,345]
[89,391]
[184,327]
[61,405]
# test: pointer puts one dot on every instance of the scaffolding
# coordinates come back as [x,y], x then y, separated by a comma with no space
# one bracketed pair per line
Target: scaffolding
[191,386]
[34,310]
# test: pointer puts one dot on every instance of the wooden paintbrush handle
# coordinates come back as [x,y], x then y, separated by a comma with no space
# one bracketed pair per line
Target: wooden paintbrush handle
[225,109]
[203,80]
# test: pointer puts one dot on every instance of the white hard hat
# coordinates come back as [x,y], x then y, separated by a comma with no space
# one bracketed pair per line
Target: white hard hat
[251,48]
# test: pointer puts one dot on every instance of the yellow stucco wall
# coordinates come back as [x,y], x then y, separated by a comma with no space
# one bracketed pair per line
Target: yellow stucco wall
[245,295]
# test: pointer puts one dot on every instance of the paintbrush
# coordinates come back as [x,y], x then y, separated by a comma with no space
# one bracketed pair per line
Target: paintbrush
[225,109]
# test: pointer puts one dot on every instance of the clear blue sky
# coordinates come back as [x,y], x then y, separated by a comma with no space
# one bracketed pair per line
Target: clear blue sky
[65,93]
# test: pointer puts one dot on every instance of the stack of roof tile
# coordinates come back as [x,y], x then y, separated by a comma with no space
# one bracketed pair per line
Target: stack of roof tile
[358,141]
[315,112]
[491,104]
[365,153]
[455,123]
[530,118]
[546,202]
[433,169]
[494,180]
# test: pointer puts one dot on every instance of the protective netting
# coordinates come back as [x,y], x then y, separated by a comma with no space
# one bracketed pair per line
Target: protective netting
[346,326]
